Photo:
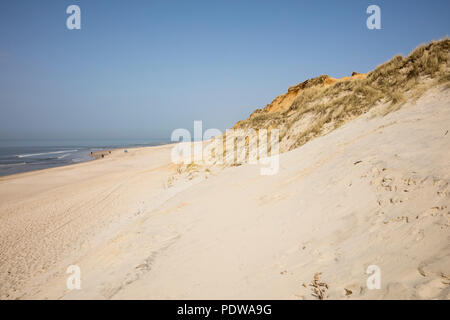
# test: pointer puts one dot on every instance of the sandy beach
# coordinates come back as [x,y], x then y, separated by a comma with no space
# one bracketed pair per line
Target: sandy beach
[375,191]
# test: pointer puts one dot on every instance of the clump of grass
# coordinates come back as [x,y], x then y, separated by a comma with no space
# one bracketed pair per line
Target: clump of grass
[397,100]
[445,80]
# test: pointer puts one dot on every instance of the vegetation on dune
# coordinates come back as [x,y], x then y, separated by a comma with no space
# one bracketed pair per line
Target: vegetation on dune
[325,105]
[317,106]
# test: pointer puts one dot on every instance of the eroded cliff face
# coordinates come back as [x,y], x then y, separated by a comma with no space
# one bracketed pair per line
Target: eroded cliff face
[284,101]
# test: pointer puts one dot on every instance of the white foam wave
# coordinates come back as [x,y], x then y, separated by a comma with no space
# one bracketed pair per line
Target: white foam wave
[44,153]
[12,164]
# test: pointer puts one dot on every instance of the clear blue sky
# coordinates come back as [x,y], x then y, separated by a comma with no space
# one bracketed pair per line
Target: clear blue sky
[139,69]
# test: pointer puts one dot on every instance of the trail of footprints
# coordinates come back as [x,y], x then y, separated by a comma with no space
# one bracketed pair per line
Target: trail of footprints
[109,291]
[407,198]
[393,189]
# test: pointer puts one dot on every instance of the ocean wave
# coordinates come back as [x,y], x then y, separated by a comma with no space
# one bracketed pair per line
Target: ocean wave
[44,153]
[12,164]
[63,156]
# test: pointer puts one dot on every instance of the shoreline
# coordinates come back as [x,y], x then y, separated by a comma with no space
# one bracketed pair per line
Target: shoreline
[94,156]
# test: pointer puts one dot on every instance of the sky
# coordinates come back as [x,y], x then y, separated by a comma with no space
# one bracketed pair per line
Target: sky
[139,69]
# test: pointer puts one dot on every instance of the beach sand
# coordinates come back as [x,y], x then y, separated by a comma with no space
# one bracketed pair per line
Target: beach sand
[376,191]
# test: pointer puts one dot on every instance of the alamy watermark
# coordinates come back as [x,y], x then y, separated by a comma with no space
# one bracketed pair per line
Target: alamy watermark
[73,282]
[374,20]
[235,147]
[374,280]
[74,20]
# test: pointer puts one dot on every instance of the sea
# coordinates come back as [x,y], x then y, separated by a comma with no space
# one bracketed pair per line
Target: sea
[18,156]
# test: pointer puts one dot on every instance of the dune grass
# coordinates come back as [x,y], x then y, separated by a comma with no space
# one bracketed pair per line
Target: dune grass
[329,106]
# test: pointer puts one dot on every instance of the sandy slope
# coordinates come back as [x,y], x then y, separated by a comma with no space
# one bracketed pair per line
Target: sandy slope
[238,234]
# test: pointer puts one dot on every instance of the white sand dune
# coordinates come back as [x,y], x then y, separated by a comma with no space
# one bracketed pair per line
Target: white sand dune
[374,192]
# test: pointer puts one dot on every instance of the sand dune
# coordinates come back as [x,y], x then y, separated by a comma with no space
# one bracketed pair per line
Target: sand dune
[375,191]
